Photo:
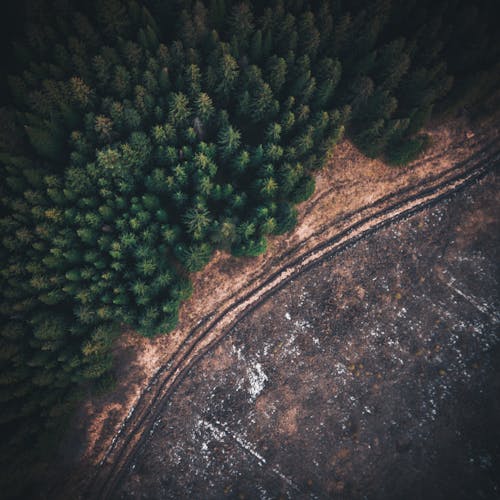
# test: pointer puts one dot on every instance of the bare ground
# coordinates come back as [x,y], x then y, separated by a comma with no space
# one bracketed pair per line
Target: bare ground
[348,182]
[374,375]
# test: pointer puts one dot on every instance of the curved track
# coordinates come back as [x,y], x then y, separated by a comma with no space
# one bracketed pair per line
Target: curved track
[332,239]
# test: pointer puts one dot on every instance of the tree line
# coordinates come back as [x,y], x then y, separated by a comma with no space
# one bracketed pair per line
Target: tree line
[142,136]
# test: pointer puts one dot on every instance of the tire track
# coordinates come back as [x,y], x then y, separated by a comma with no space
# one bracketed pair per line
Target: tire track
[212,328]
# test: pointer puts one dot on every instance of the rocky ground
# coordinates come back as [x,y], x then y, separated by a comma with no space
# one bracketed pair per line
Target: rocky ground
[374,375]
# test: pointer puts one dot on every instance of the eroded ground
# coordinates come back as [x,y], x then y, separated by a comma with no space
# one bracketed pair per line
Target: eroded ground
[374,375]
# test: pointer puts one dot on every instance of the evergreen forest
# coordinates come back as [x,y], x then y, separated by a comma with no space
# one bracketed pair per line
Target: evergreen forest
[138,137]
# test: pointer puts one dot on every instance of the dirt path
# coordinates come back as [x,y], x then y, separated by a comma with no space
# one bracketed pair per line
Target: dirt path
[354,197]
[449,167]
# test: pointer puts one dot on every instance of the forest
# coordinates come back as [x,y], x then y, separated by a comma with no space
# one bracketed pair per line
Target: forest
[138,137]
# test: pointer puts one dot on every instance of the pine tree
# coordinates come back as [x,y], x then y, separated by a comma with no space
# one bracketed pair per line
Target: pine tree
[276,73]
[240,26]
[226,72]
[198,221]
[229,140]
[204,107]
[308,35]
[179,111]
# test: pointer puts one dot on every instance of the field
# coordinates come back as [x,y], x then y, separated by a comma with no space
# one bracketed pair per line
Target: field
[373,375]
[362,273]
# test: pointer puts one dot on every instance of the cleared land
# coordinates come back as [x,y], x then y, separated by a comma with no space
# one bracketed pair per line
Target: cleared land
[352,192]
[373,375]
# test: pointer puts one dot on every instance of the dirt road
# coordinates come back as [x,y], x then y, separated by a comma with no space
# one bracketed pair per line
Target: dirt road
[410,191]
